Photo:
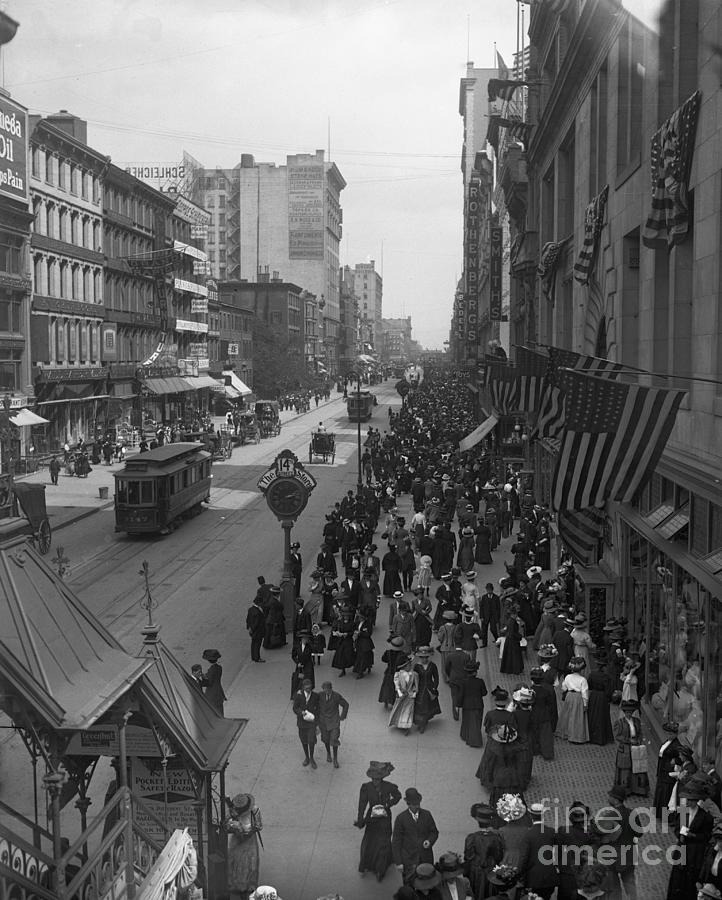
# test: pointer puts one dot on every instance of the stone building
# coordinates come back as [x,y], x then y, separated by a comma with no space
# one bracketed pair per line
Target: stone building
[612,99]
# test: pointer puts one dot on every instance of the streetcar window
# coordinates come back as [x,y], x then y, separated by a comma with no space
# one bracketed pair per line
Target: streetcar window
[122,492]
[133,493]
[146,491]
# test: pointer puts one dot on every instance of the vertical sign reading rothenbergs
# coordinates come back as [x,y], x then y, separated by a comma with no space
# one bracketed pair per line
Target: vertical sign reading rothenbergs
[305,211]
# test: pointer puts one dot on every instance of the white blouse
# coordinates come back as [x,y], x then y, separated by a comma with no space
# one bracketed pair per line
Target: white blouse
[576,682]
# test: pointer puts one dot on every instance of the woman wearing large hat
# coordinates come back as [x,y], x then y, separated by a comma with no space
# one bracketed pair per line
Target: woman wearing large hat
[483,849]
[583,642]
[575,696]
[631,751]
[504,771]
[693,831]
[473,691]
[426,705]
[376,798]
[494,718]
[406,684]
[243,824]
[211,681]
[392,656]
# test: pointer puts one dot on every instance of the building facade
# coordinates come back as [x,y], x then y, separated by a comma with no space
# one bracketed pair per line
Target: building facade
[606,92]
[397,340]
[369,288]
[350,336]
[280,218]
[15,281]
[66,190]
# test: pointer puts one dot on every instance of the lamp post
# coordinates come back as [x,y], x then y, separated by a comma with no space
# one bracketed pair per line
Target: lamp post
[359,482]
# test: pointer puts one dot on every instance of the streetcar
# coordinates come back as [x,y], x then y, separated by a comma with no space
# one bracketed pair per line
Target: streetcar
[158,489]
[360,405]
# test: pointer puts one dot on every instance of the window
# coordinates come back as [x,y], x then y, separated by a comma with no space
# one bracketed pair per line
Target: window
[222,237]
[62,174]
[10,315]
[222,201]
[35,162]
[210,201]
[84,180]
[10,256]
[10,369]
[629,96]
[73,179]
[49,168]
[222,220]
[598,139]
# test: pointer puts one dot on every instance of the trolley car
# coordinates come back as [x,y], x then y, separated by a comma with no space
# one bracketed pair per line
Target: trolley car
[360,405]
[157,489]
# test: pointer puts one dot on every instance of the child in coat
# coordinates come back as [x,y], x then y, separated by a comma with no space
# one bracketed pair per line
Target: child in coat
[318,644]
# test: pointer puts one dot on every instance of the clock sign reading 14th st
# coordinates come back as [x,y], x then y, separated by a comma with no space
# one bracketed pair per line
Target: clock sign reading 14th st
[286,486]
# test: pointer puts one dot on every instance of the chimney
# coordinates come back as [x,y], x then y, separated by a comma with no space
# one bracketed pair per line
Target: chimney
[70,124]
[276,278]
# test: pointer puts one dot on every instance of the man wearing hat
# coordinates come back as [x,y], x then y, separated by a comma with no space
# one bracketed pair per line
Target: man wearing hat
[454,662]
[332,710]
[256,627]
[326,562]
[211,681]
[306,709]
[414,836]
[296,567]
[536,865]
[693,831]
[473,691]
[454,886]
[426,880]
[562,640]
[489,614]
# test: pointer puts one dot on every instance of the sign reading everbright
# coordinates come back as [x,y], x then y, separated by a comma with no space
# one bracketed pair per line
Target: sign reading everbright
[13,150]
[495,274]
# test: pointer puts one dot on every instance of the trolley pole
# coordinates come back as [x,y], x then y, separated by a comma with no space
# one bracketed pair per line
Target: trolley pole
[288,591]
[359,481]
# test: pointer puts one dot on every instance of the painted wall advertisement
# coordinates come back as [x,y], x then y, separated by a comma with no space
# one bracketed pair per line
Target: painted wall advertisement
[168,793]
[495,274]
[305,211]
[13,150]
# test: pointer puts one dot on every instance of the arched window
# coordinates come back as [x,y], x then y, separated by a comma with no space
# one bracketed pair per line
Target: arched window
[600,348]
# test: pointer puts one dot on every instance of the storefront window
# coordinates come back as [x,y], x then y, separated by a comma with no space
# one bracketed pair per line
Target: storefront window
[689,609]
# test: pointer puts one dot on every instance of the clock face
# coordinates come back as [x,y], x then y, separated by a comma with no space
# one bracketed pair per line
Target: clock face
[286,498]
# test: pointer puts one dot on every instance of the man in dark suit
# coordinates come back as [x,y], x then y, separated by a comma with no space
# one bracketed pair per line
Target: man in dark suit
[564,643]
[256,626]
[414,836]
[326,562]
[296,567]
[454,663]
[350,588]
[306,708]
[489,613]
[302,655]
[332,710]
[536,859]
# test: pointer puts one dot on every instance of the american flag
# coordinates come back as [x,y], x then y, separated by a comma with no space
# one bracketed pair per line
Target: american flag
[615,435]
[518,130]
[531,368]
[547,268]
[671,159]
[581,532]
[593,224]
[501,380]
[503,88]
[550,423]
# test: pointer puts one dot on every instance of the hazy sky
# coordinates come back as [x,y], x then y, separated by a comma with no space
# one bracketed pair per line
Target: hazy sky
[224,77]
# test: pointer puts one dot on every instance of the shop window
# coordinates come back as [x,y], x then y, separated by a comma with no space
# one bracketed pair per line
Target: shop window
[700,526]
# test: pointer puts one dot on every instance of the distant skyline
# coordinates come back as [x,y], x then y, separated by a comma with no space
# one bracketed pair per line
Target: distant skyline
[154,78]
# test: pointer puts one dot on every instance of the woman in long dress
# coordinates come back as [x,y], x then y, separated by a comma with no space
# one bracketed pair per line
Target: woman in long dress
[404,626]
[364,644]
[465,556]
[473,691]
[482,549]
[573,725]
[600,695]
[345,654]
[422,618]
[512,660]
[391,566]
[628,733]
[583,642]
[494,718]
[547,624]
[426,705]
[483,849]
[392,656]
[375,801]
[243,825]
[406,683]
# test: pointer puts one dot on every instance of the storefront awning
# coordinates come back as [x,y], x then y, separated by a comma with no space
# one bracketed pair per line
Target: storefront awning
[231,392]
[27,417]
[478,434]
[236,382]
[674,523]
[167,385]
[197,382]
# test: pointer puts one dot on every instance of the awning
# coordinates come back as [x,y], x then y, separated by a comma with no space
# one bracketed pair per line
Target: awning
[167,385]
[197,382]
[236,382]
[26,417]
[231,392]
[478,434]
[676,522]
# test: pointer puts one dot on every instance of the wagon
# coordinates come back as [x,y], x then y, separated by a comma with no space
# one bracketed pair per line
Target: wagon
[218,444]
[268,415]
[248,430]
[24,512]
[322,444]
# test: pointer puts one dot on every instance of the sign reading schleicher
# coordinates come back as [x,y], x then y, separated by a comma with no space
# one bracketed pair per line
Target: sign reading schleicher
[13,150]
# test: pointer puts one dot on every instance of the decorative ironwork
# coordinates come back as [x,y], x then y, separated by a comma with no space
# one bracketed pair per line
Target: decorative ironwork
[147,603]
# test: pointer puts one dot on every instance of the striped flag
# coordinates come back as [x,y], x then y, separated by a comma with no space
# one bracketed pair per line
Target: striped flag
[501,380]
[547,268]
[518,130]
[615,435]
[593,224]
[531,369]
[550,423]
[503,88]
[581,532]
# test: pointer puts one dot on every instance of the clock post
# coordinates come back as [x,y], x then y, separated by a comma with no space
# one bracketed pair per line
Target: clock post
[287,487]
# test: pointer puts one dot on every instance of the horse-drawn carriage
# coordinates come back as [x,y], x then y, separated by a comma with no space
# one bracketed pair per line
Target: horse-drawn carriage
[23,511]
[218,443]
[269,417]
[323,444]
[249,431]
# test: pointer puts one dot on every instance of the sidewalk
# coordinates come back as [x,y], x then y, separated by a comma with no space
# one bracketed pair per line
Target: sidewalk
[311,846]
[76,498]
